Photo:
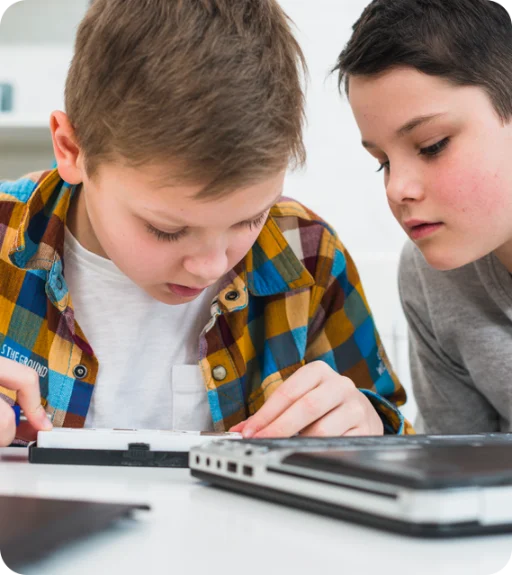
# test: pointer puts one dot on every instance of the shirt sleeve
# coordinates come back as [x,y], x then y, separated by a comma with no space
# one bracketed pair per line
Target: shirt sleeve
[447,399]
[343,334]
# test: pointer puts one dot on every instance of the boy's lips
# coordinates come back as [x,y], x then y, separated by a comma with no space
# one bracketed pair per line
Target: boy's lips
[185,291]
[419,229]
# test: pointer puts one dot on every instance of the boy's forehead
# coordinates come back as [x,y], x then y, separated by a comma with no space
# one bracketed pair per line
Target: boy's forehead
[155,178]
[398,96]
[394,86]
[178,201]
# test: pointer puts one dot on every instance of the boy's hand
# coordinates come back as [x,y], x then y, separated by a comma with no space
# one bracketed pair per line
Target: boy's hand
[314,401]
[25,381]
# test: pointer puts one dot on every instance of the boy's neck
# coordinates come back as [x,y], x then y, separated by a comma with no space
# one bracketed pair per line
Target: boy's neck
[504,254]
[79,224]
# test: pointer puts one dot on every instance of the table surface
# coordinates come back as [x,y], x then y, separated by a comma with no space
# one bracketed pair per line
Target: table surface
[193,528]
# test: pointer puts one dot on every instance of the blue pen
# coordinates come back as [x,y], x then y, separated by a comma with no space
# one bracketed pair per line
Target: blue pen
[17,413]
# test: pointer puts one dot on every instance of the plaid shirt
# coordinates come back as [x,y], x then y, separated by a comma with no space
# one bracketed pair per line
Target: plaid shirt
[294,299]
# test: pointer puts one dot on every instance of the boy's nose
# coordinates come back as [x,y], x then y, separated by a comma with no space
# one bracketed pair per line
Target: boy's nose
[403,187]
[209,266]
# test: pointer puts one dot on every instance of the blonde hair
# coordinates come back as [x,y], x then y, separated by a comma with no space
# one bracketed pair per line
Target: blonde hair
[213,89]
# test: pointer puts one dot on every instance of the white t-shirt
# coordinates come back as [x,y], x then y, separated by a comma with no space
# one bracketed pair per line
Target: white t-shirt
[148,352]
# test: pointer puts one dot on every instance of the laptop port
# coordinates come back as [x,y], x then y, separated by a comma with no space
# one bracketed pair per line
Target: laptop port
[247,470]
[232,467]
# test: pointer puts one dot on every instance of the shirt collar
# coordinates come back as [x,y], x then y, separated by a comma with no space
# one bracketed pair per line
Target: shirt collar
[39,241]
[272,266]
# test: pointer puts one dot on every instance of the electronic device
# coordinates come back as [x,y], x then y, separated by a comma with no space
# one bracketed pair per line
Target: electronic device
[434,486]
[32,528]
[127,447]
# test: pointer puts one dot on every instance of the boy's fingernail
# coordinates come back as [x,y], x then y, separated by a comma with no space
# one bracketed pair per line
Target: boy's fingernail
[248,432]
[46,424]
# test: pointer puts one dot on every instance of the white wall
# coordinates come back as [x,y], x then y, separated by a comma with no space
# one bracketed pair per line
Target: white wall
[340,182]
[41,22]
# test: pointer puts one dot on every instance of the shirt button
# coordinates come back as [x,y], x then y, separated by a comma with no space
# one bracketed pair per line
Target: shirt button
[219,373]
[232,295]
[58,282]
[80,371]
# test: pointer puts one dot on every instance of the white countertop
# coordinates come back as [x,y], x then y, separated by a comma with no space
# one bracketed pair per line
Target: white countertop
[193,529]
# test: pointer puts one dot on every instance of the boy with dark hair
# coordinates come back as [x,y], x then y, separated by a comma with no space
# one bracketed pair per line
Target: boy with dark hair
[157,278]
[430,84]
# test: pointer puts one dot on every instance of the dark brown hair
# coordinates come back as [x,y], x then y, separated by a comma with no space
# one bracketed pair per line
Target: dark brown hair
[209,89]
[468,42]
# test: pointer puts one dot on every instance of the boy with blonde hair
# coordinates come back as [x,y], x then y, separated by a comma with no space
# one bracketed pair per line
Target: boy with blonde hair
[157,278]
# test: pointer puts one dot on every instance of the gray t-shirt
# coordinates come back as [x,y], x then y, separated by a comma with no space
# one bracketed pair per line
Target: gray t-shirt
[460,325]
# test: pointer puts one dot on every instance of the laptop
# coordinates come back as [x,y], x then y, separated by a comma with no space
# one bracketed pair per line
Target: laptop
[425,486]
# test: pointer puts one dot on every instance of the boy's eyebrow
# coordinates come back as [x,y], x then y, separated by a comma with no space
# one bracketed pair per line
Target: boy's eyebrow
[408,127]
[415,122]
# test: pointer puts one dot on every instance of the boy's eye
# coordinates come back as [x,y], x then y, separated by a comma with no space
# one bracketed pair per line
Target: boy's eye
[430,152]
[257,222]
[175,236]
[435,148]
[166,236]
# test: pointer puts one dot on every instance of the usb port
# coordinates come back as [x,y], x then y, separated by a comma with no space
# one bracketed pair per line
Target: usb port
[247,470]
[232,467]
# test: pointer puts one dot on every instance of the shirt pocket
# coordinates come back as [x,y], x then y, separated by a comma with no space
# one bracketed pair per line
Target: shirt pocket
[190,407]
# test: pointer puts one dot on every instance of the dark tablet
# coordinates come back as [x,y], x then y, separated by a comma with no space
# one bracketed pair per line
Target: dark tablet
[33,528]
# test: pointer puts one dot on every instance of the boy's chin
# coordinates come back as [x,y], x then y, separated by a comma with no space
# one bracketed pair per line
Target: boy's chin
[445,259]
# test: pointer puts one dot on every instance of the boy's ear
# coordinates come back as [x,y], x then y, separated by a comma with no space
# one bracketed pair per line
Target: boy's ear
[66,149]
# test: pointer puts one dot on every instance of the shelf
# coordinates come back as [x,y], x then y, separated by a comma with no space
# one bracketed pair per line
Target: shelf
[17,131]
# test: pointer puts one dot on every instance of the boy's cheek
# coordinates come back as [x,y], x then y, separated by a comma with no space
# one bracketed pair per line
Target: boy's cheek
[240,248]
[145,264]
[475,200]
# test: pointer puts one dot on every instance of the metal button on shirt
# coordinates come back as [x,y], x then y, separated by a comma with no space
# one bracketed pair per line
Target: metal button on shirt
[232,295]
[80,371]
[219,373]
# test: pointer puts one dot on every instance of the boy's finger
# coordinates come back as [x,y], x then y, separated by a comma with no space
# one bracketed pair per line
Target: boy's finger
[25,382]
[239,426]
[297,385]
[336,423]
[310,408]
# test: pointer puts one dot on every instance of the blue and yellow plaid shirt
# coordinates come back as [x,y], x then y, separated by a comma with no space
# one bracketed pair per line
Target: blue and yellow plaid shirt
[294,299]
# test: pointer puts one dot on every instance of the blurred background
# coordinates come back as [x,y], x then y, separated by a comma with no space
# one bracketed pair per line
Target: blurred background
[340,181]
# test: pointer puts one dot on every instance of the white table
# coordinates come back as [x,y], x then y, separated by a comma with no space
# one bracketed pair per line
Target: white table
[197,529]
